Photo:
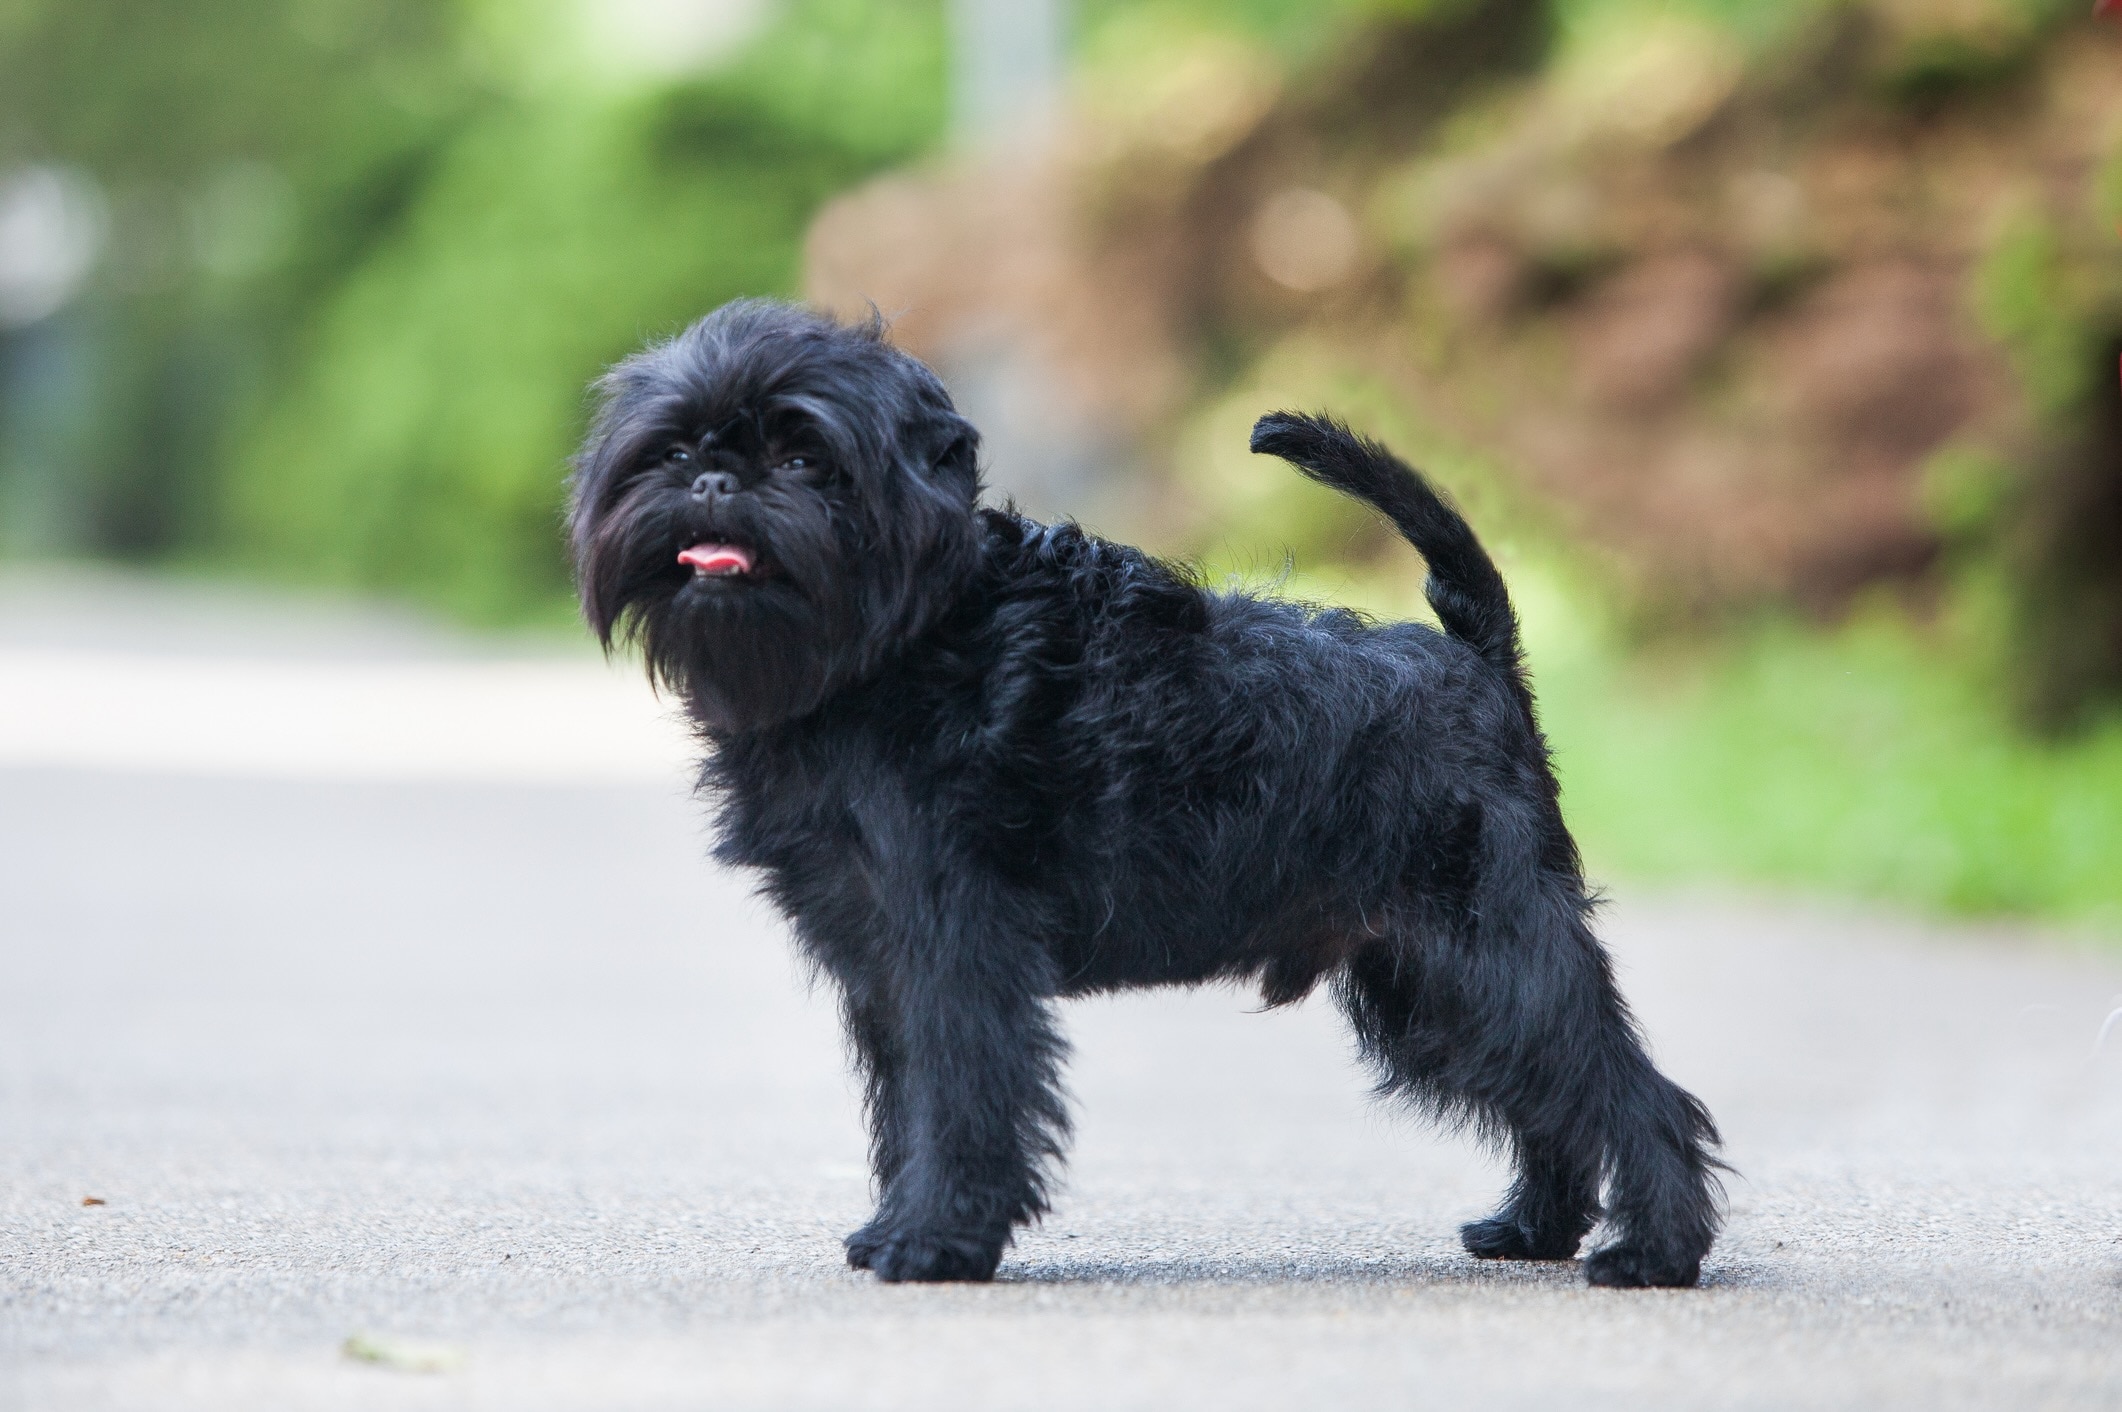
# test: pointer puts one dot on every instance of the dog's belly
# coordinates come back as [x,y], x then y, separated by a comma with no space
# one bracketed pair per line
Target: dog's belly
[1109,968]
[1287,956]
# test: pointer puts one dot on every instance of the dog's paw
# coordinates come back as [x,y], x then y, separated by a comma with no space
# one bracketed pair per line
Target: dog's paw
[1630,1267]
[863,1245]
[917,1257]
[1500,1238]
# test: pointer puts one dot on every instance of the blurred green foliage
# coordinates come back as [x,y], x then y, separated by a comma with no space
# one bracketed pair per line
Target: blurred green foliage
[2050,292]
[366,255]
[421,443]
[246,155]
[2040,305]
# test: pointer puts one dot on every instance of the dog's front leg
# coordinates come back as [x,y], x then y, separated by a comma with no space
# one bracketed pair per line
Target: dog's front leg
[875,1044]
[959,1031]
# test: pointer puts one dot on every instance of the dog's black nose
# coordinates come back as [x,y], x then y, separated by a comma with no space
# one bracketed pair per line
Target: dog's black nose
[714,483]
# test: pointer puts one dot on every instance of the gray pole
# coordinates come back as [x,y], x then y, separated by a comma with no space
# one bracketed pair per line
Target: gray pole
[1007,60]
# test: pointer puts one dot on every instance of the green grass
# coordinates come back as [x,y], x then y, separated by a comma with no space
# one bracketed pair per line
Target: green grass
[1861,762]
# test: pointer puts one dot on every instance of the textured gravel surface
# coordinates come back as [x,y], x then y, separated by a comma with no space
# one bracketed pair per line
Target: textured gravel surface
[508,1070]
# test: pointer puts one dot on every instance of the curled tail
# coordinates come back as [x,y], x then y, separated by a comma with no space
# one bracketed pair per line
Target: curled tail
[1464,587]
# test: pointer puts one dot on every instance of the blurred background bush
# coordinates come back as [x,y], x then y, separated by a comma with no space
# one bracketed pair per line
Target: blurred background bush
[1775,344]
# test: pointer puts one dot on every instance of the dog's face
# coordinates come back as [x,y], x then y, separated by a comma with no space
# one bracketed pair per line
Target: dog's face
[770,503]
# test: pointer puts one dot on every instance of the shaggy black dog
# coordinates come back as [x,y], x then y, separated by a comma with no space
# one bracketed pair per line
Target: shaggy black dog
[983,763]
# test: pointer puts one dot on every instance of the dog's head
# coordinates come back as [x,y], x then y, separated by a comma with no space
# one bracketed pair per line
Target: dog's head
[770,504]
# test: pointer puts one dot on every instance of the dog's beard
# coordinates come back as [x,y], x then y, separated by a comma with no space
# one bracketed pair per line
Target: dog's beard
[749,657]
[742,649]
[833,586]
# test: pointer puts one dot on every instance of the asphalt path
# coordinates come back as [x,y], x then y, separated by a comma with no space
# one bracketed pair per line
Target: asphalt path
[488,1071]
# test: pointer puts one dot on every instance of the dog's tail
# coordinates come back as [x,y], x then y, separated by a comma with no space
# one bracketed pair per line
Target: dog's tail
[1464,587]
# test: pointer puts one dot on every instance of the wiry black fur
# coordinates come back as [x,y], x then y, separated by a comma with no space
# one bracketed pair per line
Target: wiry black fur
[983,763]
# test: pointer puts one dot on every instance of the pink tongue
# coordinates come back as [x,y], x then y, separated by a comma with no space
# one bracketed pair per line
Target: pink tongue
[718,559]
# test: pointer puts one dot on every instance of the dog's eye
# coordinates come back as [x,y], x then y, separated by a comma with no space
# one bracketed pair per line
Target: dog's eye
[678,456]
[795,463]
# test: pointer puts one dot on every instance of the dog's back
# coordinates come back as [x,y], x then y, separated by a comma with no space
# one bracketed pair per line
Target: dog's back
[1210,784]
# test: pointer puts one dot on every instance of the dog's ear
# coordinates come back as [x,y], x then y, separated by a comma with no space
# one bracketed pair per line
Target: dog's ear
[960,460]
[947,454]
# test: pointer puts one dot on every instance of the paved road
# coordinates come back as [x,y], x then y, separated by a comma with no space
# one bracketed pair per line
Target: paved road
[498,1064]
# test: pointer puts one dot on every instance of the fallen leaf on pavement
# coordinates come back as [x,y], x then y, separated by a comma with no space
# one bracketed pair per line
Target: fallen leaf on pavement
[406,1355]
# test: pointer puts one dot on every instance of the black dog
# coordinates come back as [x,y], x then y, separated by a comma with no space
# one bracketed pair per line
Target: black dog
[983,763]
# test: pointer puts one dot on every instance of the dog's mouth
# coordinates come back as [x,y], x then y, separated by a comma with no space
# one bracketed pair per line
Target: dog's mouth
[713,560]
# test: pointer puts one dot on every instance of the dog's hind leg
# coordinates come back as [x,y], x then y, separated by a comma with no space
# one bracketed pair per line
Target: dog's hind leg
[1663,1199]
[1522,1032]
[1662,1194]
[1553,1202]
[1408,1011]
